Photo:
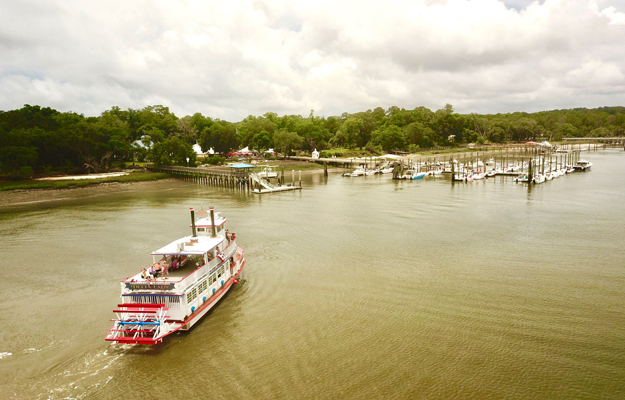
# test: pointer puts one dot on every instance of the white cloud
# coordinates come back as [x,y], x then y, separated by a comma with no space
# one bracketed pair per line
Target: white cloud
[595,74]
[231,59]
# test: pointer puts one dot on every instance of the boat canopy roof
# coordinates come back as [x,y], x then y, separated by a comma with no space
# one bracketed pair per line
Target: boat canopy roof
[189,245]
[241,166]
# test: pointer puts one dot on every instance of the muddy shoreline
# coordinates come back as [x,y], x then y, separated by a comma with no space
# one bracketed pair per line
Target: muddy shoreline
[20,197]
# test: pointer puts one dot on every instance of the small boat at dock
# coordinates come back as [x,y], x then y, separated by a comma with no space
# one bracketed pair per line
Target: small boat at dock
[268,172]
[582,165]
[463,178]
[357,172]
[478,175]
[410,174]
[521,178]
[538,178]
[385,170]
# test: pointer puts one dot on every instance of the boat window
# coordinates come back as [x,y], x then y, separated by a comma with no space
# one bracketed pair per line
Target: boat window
[191,295]
[200,229]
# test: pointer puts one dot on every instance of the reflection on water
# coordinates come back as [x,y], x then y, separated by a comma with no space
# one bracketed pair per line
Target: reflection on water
[355,287]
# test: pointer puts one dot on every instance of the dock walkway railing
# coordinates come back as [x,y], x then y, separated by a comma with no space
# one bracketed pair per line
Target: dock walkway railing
[224,177]
[227,178]
[262,182]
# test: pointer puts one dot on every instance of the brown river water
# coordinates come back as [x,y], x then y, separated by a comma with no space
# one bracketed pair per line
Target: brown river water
[354,288]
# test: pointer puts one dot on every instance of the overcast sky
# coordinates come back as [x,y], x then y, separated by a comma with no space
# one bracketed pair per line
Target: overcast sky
[230,59]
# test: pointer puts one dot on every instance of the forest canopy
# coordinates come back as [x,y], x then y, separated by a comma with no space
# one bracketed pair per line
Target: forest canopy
[36,140]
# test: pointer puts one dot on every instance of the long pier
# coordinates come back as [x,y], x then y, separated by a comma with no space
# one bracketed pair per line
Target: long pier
[229,178]
[471,153]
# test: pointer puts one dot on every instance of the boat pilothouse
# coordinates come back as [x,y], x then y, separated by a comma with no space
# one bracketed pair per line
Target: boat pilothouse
[186,279]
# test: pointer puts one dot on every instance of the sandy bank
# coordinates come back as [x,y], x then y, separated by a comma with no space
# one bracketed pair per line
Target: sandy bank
[29,196]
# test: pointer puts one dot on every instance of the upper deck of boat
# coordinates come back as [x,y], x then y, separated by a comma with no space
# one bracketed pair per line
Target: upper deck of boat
[190,245]
[194,253]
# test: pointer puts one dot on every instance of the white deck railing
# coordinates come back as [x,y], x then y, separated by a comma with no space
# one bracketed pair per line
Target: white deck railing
[195,276]
[182,284]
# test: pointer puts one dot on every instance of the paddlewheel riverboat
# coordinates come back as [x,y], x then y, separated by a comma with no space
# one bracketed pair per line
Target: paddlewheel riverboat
[195,273]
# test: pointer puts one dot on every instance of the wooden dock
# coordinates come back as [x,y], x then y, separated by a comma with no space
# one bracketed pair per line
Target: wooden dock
[229,178]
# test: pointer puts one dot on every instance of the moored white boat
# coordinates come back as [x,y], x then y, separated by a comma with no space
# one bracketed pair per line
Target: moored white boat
[511,168]
[268,172]
[538,178]
[357,172]
[463,178]
[582,165]
[478,175]
[521,178]
[412,174]
[196,272]
[437,172]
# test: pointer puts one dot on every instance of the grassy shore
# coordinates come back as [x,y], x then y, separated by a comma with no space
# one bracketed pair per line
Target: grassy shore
[64,184]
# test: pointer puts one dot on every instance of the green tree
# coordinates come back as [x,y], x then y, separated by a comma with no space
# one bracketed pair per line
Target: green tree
[186,130]
[221,136]
[349,133]
[286,141]
[524,129]
[173,151]
[251,126]
[17,151]
[390,138]
[261,141]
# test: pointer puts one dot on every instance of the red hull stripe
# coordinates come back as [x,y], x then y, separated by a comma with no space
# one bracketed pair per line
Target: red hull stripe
[141,305]
[209,302]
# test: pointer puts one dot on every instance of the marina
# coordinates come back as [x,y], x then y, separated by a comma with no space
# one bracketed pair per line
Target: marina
[528,166]
[455,309]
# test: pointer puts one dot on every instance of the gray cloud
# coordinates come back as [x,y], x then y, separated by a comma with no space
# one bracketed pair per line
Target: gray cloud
[232,59]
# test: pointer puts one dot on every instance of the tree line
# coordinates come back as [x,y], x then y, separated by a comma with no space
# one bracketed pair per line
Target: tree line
[36,140]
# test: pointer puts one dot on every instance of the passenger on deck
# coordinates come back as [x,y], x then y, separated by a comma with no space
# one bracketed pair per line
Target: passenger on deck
[145,274]
[175,263]
[154,270]
[165,268]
